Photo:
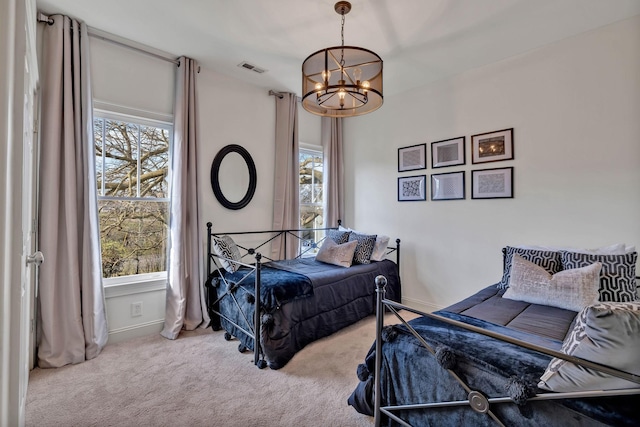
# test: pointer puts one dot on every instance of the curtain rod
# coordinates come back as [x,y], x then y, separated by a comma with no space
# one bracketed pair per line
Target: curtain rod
[98,34]
[280,95]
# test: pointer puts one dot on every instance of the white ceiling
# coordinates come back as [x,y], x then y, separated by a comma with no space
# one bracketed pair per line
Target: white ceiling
[420,41]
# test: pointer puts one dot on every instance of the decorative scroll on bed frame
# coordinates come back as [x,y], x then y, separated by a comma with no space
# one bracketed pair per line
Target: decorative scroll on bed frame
[613,407]
[232,298]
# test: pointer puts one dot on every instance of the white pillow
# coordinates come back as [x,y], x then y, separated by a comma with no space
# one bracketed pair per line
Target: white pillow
[569,289]
[380,248]
[605,333]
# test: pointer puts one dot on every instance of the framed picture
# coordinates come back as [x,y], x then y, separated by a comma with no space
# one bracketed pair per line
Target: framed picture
[412,188]
[412,158]
[449,152]
[492,146]
[492,183]
[447,186]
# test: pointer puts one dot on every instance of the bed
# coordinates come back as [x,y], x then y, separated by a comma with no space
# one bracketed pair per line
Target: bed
[505,357]
[301,299]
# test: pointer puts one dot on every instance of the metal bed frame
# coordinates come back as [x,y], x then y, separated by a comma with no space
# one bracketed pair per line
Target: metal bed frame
[251,327]
[476,400]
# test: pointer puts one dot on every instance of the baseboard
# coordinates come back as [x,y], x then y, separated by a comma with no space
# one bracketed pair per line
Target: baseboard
[135,331]
[420,305]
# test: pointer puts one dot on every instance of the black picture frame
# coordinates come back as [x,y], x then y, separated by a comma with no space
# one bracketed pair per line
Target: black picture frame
[448,186]
[413,157]
[493,146]
[412,188]
[496,183]
[448,152]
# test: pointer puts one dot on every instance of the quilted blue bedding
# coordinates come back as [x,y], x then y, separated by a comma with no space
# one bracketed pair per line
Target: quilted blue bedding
[303,300]
[410,374]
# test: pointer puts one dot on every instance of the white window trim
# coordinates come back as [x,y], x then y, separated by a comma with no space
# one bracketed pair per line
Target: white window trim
[144,282]
[121,112]
[134,284]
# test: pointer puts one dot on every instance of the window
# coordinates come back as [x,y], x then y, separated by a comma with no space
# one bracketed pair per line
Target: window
[132,172]
[311,196]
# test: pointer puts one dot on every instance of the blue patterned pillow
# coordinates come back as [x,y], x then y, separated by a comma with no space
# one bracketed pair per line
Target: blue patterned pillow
[338,236]
[617,277]
[549,260]
[364,249]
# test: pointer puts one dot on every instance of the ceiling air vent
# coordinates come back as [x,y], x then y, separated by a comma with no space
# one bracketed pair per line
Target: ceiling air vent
[251,67]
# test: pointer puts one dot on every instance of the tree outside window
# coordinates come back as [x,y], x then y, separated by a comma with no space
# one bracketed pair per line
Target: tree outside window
[311,196]
[132,166]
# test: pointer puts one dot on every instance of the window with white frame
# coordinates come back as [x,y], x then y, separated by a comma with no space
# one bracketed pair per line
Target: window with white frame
[311,195]
[132,174]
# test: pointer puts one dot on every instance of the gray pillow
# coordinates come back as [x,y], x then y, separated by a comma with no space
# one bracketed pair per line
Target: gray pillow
[227,252]
[569,289]
[332,253]
[607,333]
[364,249]
[549,260]
[618,275]
[338,236]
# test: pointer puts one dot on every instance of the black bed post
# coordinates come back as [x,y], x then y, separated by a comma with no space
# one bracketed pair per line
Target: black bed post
[398,254]
[256,316]
[209,225]
[381,283]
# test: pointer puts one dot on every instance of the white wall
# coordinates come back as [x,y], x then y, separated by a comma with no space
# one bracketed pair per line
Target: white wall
[131,82]
[232,112]
[575,108]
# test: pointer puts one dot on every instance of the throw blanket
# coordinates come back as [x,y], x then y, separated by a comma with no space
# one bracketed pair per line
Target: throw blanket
[411,375]
[276,286]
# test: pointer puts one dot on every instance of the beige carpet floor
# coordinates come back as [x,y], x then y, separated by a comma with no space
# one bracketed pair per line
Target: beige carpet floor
[202,380]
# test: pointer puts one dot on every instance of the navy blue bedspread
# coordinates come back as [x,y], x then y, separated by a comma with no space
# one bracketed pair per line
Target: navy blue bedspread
[410,374]
[294,315]
[276,286]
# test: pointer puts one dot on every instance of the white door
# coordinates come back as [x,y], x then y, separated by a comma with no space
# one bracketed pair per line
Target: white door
[18,86]
[31,258]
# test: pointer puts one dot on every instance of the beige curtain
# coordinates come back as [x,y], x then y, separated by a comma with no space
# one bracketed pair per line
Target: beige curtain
[331,137]
[286,197]
[185,305]
[72,324]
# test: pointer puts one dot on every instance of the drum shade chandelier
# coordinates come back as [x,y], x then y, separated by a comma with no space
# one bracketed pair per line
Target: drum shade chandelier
[342,81]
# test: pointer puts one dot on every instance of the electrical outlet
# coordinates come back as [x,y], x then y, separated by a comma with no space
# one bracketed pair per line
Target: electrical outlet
[136,309]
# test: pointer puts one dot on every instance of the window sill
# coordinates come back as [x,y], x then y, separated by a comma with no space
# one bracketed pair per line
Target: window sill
[136,284]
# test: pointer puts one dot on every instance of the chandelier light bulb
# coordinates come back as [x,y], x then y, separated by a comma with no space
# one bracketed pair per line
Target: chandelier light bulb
[357,75]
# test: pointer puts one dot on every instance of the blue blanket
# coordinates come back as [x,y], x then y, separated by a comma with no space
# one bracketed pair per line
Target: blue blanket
[276,286]
[410,374]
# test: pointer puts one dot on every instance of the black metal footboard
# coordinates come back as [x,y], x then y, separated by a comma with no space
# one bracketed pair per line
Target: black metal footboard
[476,400]
[249,324]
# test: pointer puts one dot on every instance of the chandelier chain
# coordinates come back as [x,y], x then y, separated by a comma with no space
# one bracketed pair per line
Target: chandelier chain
[342,37]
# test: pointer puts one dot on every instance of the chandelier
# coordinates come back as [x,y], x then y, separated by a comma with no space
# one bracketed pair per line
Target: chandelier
[342,81]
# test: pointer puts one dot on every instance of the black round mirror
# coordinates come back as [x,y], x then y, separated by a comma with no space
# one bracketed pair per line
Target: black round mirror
[233,176]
